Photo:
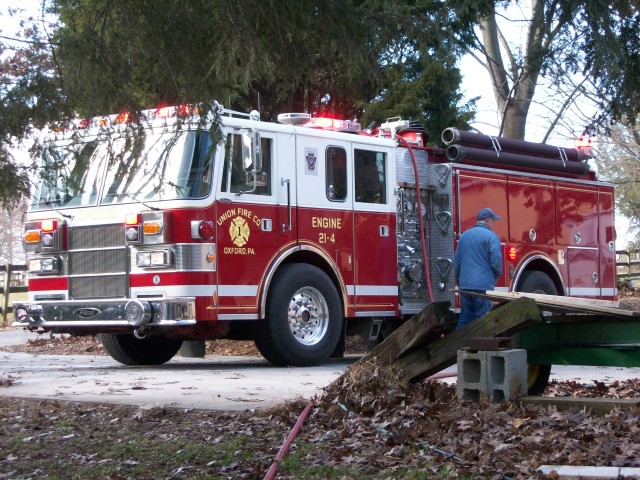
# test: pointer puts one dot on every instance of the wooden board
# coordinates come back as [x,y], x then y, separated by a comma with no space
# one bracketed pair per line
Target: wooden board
[563,304]
[434,320]
[505,320]
[598,406]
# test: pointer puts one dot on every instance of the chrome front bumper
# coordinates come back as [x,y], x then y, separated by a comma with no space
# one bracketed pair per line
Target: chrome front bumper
[135,313]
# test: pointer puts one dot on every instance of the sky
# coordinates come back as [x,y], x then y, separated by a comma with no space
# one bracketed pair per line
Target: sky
[476,83]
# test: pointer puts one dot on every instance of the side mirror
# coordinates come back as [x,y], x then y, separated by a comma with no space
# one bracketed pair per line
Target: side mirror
[251,151]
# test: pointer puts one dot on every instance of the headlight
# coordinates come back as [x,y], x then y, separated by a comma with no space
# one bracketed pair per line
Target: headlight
[154,258]
[44,265]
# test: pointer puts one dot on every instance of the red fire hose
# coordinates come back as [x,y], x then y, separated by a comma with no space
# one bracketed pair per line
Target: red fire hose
[273,470]
[427,270]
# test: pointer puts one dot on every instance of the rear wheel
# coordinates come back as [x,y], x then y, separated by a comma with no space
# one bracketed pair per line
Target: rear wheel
[537,282]
[129,350]
[303,320]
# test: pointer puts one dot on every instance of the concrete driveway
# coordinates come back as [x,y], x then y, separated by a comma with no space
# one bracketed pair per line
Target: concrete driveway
[220,383]
[215,382]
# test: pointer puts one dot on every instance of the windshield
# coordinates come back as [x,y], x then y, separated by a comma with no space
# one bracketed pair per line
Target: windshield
[68,177]
[154,166]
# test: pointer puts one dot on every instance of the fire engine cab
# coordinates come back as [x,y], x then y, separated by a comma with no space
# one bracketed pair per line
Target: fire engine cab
[186,227]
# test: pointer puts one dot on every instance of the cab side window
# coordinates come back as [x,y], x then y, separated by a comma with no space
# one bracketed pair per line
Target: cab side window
[336,182]
[234,178]
[370,176]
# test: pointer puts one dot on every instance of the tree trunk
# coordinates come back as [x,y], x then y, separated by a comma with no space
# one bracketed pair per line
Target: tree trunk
[514,90]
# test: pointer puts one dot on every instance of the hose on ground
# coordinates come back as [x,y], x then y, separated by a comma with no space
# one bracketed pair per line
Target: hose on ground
[273,470]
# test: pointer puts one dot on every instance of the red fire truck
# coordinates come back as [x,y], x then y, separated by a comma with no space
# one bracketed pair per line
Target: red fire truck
[192,227]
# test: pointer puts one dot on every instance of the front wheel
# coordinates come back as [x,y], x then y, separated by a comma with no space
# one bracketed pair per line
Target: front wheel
[537,282]
[303,318]
[129,350]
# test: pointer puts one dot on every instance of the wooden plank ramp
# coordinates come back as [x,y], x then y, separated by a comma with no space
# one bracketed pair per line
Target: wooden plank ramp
[561,304]
[420,347]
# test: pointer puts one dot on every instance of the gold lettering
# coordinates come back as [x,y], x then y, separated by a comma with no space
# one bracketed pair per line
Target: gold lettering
[325,222]
[226,215]
[238,251]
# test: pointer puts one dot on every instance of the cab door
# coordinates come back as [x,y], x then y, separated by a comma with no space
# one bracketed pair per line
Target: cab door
[376,283]
[248,225]
[325,203]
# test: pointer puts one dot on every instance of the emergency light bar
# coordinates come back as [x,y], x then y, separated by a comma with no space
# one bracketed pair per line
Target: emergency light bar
[162,115]
[333,124]
[325,123]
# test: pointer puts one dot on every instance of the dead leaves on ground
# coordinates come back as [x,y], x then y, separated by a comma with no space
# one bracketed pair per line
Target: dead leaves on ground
[378,420]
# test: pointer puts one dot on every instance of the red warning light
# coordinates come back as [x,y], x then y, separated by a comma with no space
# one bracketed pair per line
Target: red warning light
[122,118]
[132,219]
[583,143]
[164,112]
[324,122]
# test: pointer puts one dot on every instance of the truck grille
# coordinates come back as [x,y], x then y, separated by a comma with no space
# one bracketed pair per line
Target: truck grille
[97,262]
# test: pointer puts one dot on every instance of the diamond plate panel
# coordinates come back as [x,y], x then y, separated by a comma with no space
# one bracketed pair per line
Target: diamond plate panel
[441,226]
[404,166]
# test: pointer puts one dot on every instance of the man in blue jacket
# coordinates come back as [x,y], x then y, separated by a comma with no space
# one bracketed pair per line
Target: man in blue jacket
[477,265]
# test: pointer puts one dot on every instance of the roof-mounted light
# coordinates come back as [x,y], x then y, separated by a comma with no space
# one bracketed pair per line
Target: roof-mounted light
[583,144]
[326,123]
[334,124]
[164,112]
[122,118]
[293,118]
[176,111]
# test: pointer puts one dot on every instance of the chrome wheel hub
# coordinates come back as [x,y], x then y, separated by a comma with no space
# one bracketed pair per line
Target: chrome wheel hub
[308,316]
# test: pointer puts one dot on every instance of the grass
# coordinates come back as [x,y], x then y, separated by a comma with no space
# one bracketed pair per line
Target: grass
[64,440]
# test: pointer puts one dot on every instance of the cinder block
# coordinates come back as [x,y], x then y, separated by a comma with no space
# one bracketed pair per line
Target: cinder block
[507,374]
[471,375]
[500,375]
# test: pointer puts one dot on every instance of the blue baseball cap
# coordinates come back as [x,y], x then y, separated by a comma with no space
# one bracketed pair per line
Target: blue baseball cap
[487,213]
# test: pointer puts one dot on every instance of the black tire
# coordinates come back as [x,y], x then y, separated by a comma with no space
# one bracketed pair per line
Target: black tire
[537,282]
[303,321]
[129,350]
[537,378]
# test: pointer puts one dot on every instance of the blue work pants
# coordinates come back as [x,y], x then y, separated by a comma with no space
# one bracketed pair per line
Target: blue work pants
[472,308]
